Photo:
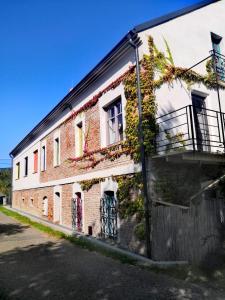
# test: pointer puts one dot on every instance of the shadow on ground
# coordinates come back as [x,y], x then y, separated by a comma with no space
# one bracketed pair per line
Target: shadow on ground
[9,229]
[60,270]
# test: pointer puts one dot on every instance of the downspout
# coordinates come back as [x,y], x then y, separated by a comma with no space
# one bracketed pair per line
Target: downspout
[135,42]
[11,191]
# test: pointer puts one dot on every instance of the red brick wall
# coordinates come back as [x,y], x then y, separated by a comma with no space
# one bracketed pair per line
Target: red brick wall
[67,144]
[67,191]
[92,210]
[91,204]
[37,207]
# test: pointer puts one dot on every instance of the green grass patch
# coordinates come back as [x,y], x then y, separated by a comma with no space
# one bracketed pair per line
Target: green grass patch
[78,241]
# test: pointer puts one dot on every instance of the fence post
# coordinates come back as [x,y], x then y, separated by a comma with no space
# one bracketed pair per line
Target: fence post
[192,127]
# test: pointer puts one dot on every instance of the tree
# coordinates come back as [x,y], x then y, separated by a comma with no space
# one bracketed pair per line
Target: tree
[5,181]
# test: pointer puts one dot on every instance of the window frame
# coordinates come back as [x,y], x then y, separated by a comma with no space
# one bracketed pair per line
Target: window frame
[56,150]
[17,170]
[43,157]
[35,161]
[113,106]
[26,166]
[79,131]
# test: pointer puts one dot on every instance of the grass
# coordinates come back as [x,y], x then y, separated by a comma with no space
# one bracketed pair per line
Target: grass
[78,241]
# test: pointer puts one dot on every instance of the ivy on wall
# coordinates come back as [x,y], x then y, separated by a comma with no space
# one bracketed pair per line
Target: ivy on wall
[157,69]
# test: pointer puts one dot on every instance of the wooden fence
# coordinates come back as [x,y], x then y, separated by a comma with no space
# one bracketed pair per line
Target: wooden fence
[191,234]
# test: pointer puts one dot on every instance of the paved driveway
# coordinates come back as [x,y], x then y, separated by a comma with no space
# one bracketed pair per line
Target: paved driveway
[36,266]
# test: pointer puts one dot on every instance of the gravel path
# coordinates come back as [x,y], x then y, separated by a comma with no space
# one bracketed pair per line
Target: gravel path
[34,266]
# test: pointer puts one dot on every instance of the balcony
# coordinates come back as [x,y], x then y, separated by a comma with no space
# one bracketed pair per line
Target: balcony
[191,133]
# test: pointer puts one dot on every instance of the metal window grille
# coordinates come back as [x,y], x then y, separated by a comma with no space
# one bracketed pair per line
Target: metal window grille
[109,216]
[76,206]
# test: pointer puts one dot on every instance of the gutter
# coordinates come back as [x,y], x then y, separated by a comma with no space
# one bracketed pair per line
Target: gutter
[116,53]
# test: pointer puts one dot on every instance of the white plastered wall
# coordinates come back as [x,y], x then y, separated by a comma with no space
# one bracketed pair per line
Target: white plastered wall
[189,39]
[32,180]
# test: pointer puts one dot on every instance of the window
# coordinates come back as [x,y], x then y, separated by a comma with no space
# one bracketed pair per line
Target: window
[18,170]
[31,202]
[36,161]
[43,158]
[79,139]
[56,152]
[114,122]
[26,166]
[108,213]
[45,206]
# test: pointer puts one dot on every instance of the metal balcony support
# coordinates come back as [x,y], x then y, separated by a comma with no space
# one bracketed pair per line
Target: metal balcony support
[192,127]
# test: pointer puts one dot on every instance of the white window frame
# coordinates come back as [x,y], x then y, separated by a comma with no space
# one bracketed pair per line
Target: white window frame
[26,166]
[55,162]
[45,206]
[116,124]
[18,170]
[43,159]
[107,99]
[57,189]
[78,120]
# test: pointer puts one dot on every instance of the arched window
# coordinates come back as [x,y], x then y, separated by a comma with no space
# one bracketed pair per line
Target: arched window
[45,206]
[57,208]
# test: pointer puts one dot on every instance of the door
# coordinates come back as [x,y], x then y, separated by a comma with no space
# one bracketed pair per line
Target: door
[77,216]
[109,215]
[201,123]
[57,208]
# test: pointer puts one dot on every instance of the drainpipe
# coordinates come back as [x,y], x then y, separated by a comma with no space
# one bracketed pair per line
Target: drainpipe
[11,191]
[135,42]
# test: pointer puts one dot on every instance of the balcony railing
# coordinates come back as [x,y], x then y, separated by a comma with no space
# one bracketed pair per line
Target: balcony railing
[191,128]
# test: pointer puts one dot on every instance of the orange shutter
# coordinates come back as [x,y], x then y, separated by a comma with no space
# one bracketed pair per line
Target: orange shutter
[35,161]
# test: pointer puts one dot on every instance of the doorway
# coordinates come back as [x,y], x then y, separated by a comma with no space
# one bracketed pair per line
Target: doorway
[201,123]
[77,215]
[57,208]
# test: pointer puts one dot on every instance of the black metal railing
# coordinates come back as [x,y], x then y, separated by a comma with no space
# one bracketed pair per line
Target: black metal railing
[191,128]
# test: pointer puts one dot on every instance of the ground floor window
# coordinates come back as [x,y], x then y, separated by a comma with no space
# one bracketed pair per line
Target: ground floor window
[109,215]
[45,206]
[77,215]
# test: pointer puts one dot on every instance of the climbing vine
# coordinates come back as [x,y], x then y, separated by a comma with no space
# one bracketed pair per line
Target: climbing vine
[86,185]
[157,69]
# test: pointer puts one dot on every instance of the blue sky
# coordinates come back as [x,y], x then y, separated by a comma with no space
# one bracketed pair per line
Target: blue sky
[47,46]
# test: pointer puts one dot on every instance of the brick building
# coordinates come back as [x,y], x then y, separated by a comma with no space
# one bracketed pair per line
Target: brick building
[91,118]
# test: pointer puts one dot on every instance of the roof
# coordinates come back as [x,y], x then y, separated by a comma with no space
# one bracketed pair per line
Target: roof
[120,49]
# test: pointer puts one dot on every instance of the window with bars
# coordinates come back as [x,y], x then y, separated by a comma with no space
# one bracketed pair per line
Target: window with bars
[114,122]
